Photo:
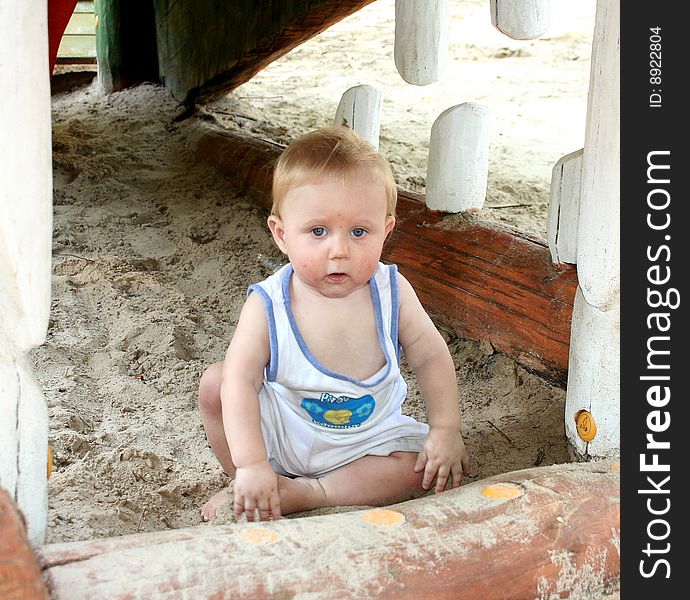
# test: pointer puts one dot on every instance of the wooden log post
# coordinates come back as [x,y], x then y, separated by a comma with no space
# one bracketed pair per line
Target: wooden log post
[564,208]
[20,575]
[521,19]
[421,40]
[593,379]
[126,47]
[539,533]
[598,247]
[458,163]
[483,281]
[25,254]
[360,110]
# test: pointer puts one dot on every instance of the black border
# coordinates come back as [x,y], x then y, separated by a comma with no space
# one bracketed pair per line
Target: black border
[645,129]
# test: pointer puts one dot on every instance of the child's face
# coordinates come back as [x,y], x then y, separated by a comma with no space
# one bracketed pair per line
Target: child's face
[333,232]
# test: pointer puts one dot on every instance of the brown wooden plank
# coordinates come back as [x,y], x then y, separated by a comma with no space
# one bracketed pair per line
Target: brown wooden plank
[485,281]
[20,575]
[542,532]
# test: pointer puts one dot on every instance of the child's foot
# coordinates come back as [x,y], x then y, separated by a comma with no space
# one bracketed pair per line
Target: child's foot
[220,501]
[298,494]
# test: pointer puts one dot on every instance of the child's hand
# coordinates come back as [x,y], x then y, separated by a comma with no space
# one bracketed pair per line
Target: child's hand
[444,458]
[256,487]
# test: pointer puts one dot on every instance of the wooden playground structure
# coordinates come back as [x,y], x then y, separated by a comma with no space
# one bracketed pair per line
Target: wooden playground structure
[542,532]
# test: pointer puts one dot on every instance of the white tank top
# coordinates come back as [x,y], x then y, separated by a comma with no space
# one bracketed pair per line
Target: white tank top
[315,420]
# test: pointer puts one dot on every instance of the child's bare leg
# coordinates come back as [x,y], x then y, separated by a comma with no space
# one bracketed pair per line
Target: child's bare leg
[212,419]
[370,480]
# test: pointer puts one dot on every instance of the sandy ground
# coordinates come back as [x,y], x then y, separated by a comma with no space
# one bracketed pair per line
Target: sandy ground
[153,252]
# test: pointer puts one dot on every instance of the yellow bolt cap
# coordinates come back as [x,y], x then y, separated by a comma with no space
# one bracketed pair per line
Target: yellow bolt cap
[586,427]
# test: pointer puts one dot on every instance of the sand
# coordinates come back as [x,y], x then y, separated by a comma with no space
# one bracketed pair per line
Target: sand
[153,252]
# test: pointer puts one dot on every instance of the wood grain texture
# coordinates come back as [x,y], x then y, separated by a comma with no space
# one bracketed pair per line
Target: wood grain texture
[555,534]
[209,47]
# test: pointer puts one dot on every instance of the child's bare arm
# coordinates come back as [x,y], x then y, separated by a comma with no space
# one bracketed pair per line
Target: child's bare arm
[443,456]
[256,484]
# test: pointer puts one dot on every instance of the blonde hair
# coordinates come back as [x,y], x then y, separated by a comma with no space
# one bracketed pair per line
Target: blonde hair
[330,151]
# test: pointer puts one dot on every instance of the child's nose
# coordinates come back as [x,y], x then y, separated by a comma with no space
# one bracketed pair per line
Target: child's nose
[339,247]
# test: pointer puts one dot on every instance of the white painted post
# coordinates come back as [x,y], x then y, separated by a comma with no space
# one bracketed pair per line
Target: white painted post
[421,40]
[598,244]
[520,19]
[594,369]
[458,164]
[25,253]
[564,208]
[594,376]
[360,110]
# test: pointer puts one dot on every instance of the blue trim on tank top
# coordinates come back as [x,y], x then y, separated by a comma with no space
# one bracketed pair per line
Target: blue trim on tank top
[376,300]
[272,367]
[395,309]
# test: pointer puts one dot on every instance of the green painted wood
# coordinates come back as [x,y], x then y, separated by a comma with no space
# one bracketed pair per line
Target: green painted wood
[209,47]
[125,43]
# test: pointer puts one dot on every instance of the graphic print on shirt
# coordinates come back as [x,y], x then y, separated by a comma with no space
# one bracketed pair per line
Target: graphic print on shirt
[339,412]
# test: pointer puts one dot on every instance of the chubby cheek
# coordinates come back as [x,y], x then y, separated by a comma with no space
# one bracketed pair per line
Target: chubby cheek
[307,266]
[365,266]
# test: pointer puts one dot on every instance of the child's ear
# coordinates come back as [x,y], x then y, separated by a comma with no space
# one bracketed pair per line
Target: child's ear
[278,232]
[390,224]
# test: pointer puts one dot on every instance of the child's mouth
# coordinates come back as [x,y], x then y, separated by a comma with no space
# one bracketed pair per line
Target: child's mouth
[336,277]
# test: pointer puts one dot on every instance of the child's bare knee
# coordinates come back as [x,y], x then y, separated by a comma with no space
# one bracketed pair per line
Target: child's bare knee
[209,389]
[412,482]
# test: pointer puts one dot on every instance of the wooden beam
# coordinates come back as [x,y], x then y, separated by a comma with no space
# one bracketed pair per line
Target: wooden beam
[20,575]
[485,282]
[209,47]
[542,532]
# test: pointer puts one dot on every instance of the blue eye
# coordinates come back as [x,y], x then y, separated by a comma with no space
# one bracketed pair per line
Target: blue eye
[318,232]
[358,232]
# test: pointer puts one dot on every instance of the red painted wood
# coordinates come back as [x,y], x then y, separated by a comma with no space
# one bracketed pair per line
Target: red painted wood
[59,14]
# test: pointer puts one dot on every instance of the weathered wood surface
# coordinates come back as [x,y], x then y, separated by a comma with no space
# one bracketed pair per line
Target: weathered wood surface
[487,283]
[539,533]
[521,19]
[594,376]
[360,110]
[421,40]
[564,208]
[595,364]
[20,576]
[458,165]
[26,220]
[598,243]
[209,47]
